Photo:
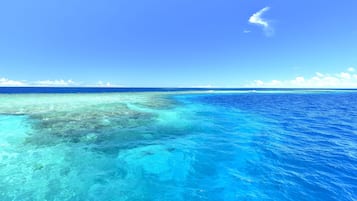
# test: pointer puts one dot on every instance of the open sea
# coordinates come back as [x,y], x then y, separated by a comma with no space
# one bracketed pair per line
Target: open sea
[105,144]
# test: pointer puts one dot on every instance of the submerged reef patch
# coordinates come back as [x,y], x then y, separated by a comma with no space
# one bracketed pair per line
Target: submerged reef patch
[87,118]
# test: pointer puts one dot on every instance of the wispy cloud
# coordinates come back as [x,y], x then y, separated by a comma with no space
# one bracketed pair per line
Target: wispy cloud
[257,19]
[107,84]
[319,80]
[202,86]
[54,83]
[8,82]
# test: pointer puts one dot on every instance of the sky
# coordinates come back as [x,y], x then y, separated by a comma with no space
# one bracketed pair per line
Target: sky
[178,43]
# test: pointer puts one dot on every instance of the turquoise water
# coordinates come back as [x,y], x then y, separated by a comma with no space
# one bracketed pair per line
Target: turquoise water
[288,145]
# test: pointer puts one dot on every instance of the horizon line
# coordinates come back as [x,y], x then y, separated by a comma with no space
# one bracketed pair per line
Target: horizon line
[155,87]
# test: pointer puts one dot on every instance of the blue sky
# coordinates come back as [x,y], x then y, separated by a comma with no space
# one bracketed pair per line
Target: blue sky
[179,43]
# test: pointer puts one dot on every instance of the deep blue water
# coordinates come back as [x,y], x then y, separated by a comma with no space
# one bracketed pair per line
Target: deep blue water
[270,145]
[306,143]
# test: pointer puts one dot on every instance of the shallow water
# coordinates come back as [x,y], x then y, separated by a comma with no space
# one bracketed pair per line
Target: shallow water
[291,145]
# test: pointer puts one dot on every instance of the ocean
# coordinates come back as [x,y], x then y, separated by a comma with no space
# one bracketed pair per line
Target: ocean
[105,144]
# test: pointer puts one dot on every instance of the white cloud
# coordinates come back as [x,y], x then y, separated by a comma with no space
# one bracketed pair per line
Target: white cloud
[104,84]
[7,82]
[258,83]
[202,86]
[345,75]
[257,19]
[319,74]
[54,83]
[319,80]
[351,69]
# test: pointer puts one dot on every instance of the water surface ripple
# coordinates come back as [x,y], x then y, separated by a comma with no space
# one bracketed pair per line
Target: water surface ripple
[291,145]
